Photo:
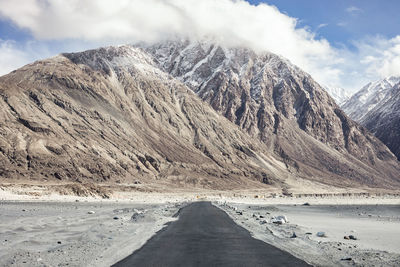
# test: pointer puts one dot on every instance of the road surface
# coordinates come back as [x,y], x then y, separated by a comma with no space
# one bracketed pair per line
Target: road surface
[206,236]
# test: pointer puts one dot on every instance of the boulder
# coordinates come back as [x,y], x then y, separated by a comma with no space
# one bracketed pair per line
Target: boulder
[280,218]
[321,234]
[352,237]
[278,221]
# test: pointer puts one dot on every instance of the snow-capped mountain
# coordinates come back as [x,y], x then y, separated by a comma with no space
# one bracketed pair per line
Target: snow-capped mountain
[377,107]
[339,94]
[271,99]
[182,113]
[369,97]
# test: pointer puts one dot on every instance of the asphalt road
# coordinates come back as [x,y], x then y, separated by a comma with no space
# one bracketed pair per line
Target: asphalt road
[206,236]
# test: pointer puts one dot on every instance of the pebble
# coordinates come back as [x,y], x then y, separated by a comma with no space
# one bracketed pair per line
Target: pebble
[347,259]
[91,212]
[115,218]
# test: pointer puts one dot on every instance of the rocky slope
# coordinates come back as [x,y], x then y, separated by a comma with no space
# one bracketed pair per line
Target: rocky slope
[278,103]
[126,114]
[377,107]
[109,115]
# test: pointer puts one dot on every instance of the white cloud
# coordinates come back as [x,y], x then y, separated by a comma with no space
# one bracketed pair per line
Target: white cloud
[79,23]
[11,57]
[380,55]
[322,25]
[232,22]
[353,9]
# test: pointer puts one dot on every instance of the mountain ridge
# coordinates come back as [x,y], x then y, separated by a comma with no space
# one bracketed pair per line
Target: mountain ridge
[376,106]
[127,118]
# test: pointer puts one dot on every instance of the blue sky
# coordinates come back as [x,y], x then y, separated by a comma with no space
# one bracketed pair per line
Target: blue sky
[342,43]
[343,21]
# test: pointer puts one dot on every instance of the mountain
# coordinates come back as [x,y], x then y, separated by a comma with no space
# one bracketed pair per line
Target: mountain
[110,116]
[339,94]
[377,107]
[182,114]
[369,97]
[276,102]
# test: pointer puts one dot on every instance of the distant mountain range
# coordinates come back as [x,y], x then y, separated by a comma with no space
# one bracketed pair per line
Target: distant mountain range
[377,107]
[182,114]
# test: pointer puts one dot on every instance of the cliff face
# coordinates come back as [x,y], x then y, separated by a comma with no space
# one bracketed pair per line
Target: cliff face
[181,114]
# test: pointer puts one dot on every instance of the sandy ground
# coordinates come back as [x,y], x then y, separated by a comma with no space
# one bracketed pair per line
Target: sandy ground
[45,228]
[70,234]
[376,227]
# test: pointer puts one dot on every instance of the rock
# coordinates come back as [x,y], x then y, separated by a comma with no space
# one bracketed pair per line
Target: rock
[58,242]
[278,221]
[261,217]
[293,235]
[263,222]
[91,212]
[306,204]
[115,218]
[346,237]
[321,234]
[347,259]
[281,219]
[352,237]
[137,215]
[239,213]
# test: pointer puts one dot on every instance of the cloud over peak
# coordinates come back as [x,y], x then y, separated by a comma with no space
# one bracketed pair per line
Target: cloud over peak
[231,22]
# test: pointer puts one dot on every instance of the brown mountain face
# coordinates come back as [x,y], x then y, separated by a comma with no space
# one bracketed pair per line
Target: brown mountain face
[125,114]
[119,119]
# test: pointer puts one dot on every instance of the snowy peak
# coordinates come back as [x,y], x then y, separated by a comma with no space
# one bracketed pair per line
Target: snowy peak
[198,63]
[377,107]
[339,94]
[369,97]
